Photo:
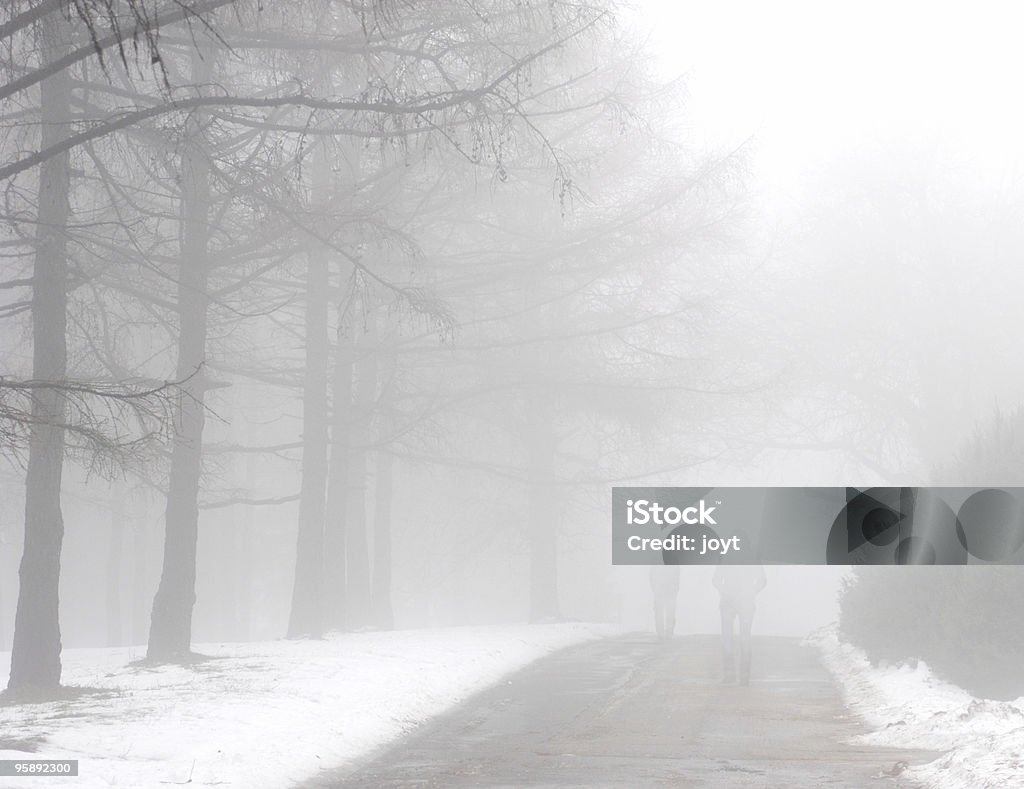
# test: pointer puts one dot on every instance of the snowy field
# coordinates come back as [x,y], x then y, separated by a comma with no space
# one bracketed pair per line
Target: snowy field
[266,714]
[908,707]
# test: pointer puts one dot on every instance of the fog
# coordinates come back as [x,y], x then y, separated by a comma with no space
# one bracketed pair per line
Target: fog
[361,327]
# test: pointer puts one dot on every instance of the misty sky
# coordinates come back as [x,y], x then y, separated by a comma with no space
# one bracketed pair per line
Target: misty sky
[806,80]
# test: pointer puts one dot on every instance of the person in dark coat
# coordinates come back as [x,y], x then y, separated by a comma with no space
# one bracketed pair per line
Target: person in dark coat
[738,586]
[665,590]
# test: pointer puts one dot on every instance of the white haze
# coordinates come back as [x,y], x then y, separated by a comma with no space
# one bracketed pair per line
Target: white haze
[876,105]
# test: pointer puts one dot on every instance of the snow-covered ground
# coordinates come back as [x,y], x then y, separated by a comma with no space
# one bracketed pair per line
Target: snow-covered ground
[266,714]
[908,707]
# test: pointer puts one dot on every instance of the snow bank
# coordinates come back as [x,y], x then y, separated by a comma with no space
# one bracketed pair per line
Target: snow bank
[908,707]
[265,714]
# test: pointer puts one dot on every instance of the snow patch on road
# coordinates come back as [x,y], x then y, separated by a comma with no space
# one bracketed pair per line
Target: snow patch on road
[908,707]
[265,714]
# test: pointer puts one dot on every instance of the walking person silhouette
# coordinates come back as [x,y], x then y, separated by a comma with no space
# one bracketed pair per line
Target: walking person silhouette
[665,590]
[738,586]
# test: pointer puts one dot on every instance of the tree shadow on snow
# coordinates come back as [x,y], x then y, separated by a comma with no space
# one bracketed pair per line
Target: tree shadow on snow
[12,698]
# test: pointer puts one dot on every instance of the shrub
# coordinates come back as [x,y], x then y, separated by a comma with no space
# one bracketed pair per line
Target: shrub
[965,622]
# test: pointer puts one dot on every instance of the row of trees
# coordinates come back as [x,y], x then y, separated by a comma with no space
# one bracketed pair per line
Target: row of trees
[446,233]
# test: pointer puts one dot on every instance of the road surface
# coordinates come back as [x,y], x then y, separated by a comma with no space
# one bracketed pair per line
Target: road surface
[636,712]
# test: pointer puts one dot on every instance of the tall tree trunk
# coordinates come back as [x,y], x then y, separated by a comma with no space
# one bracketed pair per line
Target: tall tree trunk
[140,581]
[113,579]
[243,579]
[170,632]
[225,591]
[245,551]
[542,511]
[357,597]
[306,619]
[338,484]
[35,653]
[383,491]
[242,522]
[347,156]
